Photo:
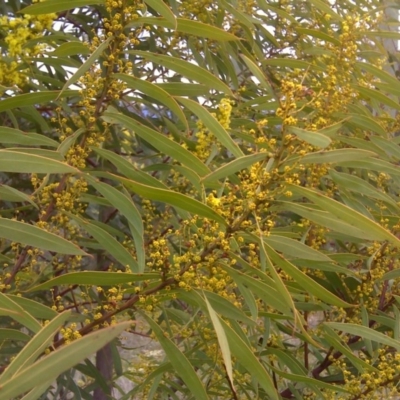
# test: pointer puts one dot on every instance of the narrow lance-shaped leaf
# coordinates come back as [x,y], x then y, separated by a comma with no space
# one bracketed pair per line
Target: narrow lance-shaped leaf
[30,99]
[57,5]
[258,73]
[246,357]
[173,198]
[127,169]
[15,311]
[95,278]
[30,235]
[35,347]
[309,285]
[222,341]
[314,138]
[156,92]
[8,193]
[326,219]
[356,184]
[187,69]
[234,166]
[86,65]
[109,244]
[295,248]
[179,361]
[283,290]
[163,10]
[213,126]
[15,161]
[365,332]
[51,366]
[34,308]
[346,214]
[128,209]
[159,141]
[331,157]
[15,136]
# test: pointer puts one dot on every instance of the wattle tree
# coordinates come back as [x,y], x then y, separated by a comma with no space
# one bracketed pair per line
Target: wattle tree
[221,177]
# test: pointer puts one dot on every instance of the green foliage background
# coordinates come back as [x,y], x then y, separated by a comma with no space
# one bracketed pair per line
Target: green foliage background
[221,176]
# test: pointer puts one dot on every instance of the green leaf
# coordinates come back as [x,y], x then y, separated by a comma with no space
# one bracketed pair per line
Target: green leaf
[51,366]
[364,122]
[319,35]
[336,341]
[265,291]
[184,89]
[359,185]
[109,243]
[7,193]
[309,381]
[180,363]
[294,248]
[160,141]
[376,95]
[95,278]
[15,161]
[128,209]
[173,198]
[246,357]
[164,11]
[15,136]
[234,166]
[55,6]
[331,157]
[197,28]
[384,34]
[70,49]
[128,169]
[314,138]
[187,69]
[8,307]
[379,73]
[86,65]
[364,332]
[221,305]
[48,154]
[346,214]
[257,72]
[222,341]
[34,308]
[373,164]
[188,26]
[388,146]
[213,126]
[287,62]
[42,339]
[30,99]
[13,334]
[327,220]
[30,235]
[308,284]
[326,8]
[156,92]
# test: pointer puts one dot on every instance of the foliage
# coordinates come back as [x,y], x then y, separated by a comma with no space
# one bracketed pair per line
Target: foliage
[221,176]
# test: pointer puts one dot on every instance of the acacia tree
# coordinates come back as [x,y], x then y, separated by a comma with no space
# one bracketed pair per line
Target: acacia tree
[219,175]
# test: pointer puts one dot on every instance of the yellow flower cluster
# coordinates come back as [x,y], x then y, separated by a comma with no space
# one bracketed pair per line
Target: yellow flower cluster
[205,139]
[19,33]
